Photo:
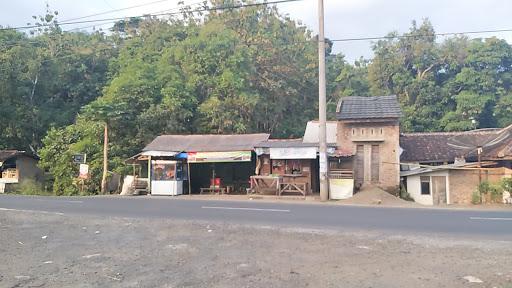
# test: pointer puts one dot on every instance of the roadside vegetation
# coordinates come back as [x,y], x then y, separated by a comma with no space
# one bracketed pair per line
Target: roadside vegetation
[232,71]
[31,187]
[488,192]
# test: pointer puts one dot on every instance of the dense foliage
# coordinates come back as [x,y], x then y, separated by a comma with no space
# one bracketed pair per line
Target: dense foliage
[231,71]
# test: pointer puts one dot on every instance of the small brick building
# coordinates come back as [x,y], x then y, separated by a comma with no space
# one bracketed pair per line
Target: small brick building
[369,127]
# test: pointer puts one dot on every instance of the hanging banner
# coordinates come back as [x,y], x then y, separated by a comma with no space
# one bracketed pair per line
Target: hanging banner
[293,153]
[213,157]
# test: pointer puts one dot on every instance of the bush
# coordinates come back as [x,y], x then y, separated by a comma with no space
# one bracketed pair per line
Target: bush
[484,187]
[31,187]
[506,184]
[475,198]
[405,195]
[496,194]
[490,192]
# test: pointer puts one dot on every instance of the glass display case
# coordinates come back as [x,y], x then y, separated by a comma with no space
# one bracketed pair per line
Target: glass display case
[167,177]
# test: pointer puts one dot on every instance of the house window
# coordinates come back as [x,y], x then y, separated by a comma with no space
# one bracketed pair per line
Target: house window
[380,131]
[425,185]
[353,131]
[362,131]
[372,131]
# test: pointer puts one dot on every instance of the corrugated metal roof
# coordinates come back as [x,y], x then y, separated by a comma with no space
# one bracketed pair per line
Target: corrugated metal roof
[359,107]
[285,143]
[312,128]
[206,143]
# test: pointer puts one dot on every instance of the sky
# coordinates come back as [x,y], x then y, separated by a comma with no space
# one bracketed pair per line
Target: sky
[343,18]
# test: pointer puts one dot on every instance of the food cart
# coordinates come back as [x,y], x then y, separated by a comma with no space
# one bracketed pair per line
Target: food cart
[167,177]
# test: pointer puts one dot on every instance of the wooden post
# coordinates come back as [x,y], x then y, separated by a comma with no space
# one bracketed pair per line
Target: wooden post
[188,175]
[479,152]
[149,174]
[105,160]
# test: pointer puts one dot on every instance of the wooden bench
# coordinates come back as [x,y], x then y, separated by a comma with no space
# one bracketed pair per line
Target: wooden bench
[213,190]
[140,186]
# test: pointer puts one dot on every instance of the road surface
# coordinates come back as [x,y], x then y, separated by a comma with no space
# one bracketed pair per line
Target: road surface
[495,225]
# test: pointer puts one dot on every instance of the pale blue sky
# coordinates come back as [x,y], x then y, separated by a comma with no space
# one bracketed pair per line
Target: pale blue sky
[343,18]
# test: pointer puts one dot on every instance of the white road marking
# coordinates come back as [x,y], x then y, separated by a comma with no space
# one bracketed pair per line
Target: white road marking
[33,211]
[91,256]
[491,218]
[244,208]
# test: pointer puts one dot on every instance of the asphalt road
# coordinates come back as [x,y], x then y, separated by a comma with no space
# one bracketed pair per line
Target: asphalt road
[495,225]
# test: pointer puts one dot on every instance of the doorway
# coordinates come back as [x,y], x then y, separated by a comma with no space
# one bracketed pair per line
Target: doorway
[439,190]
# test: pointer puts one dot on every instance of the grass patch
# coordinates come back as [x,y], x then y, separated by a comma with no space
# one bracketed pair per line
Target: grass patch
[31,187]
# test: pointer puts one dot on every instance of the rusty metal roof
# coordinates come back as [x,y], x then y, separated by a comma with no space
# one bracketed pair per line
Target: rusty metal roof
[206,143]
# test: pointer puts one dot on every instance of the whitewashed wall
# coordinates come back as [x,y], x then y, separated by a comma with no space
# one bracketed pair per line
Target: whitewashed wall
[414,188]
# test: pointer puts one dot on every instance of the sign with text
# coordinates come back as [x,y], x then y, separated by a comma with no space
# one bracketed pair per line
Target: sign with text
[83,171]
[293,153]
[212,157]
[79,158]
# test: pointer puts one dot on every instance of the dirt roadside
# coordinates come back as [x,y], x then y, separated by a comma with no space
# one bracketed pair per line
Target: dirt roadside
[45,250]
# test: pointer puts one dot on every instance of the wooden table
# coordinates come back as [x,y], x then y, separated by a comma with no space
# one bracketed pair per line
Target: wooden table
[293,187]
[260,183]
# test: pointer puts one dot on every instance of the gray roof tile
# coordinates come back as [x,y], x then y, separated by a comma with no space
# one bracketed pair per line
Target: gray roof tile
[359,107]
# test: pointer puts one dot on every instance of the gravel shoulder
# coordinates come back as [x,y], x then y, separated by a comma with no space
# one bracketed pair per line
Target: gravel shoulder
[48,250]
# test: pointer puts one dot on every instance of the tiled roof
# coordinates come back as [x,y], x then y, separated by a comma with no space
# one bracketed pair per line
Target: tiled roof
[358,107]
[206,143]
[446,146]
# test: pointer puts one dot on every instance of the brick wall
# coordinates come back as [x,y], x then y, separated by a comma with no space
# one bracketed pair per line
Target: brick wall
[464,182]
[383,133]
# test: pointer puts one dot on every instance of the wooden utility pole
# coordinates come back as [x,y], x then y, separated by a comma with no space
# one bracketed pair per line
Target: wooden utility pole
[105,160]
[322,117]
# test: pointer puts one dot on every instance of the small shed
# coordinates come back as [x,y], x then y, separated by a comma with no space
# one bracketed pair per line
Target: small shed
[449,184]
[17,166]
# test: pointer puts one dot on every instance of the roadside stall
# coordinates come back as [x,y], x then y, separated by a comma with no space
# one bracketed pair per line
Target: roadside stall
[286,167]
[201,163]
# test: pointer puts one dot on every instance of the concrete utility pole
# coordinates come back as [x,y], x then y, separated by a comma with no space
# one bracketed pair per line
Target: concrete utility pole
[322,133]
[105,160]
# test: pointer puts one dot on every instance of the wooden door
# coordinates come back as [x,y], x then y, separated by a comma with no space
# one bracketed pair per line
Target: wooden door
[375,164]
[439,189]
[359,169]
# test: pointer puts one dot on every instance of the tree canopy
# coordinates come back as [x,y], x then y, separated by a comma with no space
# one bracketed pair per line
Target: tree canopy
[229,71]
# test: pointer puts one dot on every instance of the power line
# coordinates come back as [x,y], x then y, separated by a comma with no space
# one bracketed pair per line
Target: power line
[205,9]
[114,11]
[419,35]
[110,22]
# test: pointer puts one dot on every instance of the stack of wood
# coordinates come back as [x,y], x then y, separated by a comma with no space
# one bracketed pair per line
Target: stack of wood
[10,173]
